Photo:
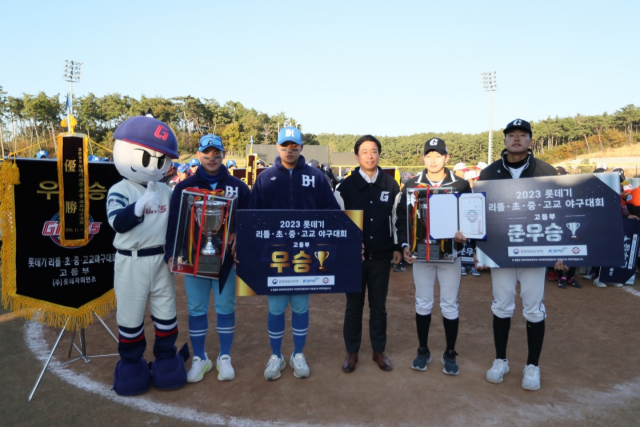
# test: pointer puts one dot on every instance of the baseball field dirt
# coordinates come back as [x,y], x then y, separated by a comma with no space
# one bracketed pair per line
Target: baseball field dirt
[589,369]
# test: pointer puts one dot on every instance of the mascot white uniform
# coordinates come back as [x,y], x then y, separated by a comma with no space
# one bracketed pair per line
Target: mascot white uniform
[138,210]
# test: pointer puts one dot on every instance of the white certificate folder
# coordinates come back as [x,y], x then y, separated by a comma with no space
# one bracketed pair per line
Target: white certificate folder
[451,212]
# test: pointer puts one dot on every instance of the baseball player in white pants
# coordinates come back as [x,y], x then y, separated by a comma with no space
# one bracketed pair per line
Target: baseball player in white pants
[434,175]
[517,161]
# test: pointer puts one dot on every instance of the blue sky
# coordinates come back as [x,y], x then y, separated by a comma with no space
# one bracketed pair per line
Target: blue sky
[386,68]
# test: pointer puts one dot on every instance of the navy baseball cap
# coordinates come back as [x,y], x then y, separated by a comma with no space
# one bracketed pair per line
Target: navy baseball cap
[148,132]
[289,134]
[436,144]
[210,140]
[518,124]
[194,162]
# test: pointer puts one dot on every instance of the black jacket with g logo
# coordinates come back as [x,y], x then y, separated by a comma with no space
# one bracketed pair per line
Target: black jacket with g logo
[378,201]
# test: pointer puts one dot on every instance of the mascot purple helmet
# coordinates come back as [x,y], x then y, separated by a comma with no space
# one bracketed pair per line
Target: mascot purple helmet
[143,149]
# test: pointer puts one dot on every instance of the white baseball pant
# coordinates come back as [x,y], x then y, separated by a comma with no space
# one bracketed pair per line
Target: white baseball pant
[141,279]
[531,291]
[424,277]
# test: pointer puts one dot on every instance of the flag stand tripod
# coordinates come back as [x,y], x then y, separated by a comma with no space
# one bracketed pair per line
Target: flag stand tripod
[82,350]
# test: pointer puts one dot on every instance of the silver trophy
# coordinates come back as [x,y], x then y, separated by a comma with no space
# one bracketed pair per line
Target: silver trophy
[210,223]
[573,227]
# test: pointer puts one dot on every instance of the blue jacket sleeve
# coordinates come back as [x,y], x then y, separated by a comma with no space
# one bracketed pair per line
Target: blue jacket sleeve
[125,219]
[255,201]
[328,200]
[174,210]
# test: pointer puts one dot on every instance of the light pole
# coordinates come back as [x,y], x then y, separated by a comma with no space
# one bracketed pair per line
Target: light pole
[72,74]
[490,83]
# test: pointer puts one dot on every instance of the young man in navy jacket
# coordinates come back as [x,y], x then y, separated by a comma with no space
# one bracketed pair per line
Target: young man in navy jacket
[290,184]
[211,175]
[377,194]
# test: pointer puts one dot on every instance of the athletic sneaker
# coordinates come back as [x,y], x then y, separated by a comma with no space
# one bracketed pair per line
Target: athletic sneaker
[299,364]
[450,364]
[589,275]
[562,283]
[498,370]
[552,276]
[274,366]
[599,284]
[225,370]
[531,377]
[474,272]
[573,282]
[421,360]
[464,271]
[399,268]
[199,367]
[617,285]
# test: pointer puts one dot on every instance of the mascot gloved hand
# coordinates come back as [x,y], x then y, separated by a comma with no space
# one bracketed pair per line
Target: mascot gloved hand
[138,210]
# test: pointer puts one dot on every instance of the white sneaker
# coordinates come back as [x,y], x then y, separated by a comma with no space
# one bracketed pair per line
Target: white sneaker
[498,370]
[617,285]
[274,366]
[199,367]
[531,378]
[225,370]
[599,284]
[300,368]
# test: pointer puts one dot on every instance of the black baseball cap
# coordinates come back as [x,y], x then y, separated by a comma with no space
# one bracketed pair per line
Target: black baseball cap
[435,144]
[518,124]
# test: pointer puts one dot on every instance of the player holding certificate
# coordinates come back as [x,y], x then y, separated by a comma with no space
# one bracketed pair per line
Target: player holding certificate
[434,175]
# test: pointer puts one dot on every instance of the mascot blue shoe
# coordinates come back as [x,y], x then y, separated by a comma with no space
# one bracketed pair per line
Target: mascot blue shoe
[131,378]
[170,373]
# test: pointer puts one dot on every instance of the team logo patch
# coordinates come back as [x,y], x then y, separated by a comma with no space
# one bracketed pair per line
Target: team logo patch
[308,181]
[52,230]
[231,191]
[273,179]
[384,196]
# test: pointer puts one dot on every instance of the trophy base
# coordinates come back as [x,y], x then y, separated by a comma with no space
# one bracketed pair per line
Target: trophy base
[209,264]
[434,253]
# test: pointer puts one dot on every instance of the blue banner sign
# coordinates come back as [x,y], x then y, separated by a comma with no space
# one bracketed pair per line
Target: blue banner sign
[533,222]
[289,252]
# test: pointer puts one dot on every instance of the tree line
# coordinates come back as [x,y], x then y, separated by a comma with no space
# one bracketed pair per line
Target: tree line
[28,120]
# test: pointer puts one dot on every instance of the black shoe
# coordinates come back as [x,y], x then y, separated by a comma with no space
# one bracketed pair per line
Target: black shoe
[449,362]
[421,360]
[399,268]
[562,283]
[573,282]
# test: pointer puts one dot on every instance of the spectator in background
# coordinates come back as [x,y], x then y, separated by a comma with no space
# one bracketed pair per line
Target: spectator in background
[193,166]
[561,170]
[459,169]
[42,155]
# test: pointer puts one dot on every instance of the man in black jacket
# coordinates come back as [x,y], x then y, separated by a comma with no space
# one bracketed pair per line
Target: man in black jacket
[377,194]
[517,161]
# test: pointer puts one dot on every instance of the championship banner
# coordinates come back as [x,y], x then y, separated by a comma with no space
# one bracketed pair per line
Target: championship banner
[291,252]
[73,190]
[630,243]
[533,222]
[41,279]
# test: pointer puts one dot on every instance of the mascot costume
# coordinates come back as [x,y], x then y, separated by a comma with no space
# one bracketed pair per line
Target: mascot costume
[138,210]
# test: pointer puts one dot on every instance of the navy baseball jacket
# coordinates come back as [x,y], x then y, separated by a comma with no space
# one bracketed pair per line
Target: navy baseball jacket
[303,187]
[231,185]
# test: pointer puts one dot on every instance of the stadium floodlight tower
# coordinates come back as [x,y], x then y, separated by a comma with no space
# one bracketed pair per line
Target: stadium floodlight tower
[490,83]
[72,74]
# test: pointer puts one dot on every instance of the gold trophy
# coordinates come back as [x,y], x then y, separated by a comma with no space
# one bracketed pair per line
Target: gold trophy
[322,256]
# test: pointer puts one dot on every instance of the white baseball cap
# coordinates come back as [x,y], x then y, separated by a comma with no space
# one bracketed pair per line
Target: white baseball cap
[459,167]
[481,165]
